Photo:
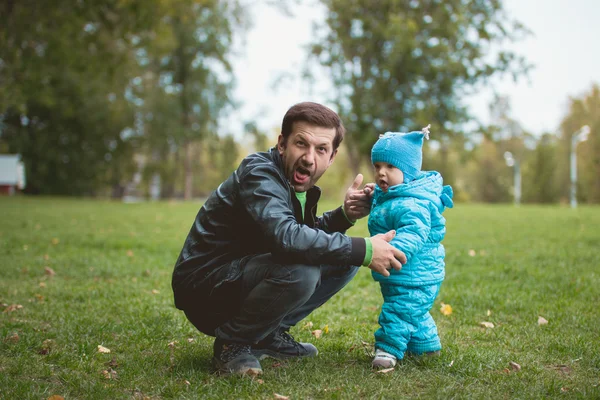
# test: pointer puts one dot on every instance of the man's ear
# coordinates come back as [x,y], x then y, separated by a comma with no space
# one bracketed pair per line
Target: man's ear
[332,156]
[281,143]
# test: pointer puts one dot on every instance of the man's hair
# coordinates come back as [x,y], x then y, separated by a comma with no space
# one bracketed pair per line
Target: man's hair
[314,114]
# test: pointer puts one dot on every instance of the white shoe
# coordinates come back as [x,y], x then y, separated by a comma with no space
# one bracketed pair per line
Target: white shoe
[383,360]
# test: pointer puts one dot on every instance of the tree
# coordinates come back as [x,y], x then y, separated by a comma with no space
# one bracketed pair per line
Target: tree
[584,110]
[399,65]
[63,69]
[189,63]
[539,173]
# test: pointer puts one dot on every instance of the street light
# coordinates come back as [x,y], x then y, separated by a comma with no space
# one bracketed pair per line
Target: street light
[580,136]
[513,162]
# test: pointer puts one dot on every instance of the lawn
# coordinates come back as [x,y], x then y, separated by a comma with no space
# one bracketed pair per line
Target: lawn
[79,274]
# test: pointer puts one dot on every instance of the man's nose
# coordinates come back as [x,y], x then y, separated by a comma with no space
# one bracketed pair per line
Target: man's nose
[309,156]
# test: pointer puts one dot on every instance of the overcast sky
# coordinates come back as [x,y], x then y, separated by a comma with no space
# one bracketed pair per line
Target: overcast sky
[563,49]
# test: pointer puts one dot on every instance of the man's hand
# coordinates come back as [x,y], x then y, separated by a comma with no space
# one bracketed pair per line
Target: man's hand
[386,256]
[357,203]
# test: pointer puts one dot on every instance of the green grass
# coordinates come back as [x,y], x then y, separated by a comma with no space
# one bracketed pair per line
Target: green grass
[111,287]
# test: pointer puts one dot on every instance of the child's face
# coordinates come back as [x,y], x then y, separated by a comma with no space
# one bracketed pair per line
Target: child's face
[387,175]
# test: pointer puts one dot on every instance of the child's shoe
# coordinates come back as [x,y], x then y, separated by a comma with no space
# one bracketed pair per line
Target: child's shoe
[383,360]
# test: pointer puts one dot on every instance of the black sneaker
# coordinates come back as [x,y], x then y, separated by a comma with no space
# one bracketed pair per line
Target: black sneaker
[235,358]
[281,345]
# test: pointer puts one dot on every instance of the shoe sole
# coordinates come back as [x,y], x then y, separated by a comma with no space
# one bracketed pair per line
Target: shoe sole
[262,354]
[221,368]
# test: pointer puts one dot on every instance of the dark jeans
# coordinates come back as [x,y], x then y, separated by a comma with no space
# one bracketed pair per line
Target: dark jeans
[272,295]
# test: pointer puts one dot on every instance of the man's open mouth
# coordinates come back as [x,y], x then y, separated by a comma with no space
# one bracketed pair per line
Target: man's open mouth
[301,175]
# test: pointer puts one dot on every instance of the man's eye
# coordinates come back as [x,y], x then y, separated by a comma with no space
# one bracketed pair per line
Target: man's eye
[300,143]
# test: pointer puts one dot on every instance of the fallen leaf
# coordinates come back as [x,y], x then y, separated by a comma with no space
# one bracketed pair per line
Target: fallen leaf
[13,307]
[308,325]
[190,340]
[25,247]
[446,309]
[154,291]
[42,284]
[260,381]
[317,333]
[46,257]
[102,349]
[112,363]
[451,363]
[326,329]
[351,348]
[146,273]
[514,366]
[39,297]
[564,389]
[563,369]
[55,241]
[542,321]
[172,344]
[472,253]
[56,397]
[489,312]
[109,373]
[384,371]
[14,338]
[486,324]
[187,382]
[129,253]
[49,271]
[280,397]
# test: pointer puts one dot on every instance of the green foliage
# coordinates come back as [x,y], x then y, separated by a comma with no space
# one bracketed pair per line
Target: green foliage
[399,65]
[63,68]
[113,265]
[584,110]
[540,173]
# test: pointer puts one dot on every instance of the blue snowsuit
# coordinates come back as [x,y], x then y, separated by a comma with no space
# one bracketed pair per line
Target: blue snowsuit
[414,210]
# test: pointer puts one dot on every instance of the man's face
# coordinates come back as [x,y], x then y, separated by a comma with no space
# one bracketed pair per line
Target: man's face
[306,154]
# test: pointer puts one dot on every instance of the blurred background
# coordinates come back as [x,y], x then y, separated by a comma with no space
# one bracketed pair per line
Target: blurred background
[161,99]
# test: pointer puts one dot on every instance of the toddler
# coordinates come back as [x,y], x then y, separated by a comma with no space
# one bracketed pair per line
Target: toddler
[411,202]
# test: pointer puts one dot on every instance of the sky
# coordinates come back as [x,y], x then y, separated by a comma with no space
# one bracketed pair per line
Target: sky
[563,49]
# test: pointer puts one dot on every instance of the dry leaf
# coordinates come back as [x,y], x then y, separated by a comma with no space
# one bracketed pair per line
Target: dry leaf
[385,371]
[472,253]
[317,333]
[14,338]
[25,247]
[260,381]
[102,349]
[187,382]
[130,253]
[489,312]
[563,369]
[42,284]
[49,271]
[451,363]
[154,291]
[308,325]
[46,257]
[13,307]
[446,309]
[514,366]
[280,397]
[326,329]
[109,373]
[56,397]
[190,340]
[112,363]
[55,241]
[542,321]
[564,389]
[486,324]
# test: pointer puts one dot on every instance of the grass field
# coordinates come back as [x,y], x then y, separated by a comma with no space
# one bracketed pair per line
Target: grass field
[75,275]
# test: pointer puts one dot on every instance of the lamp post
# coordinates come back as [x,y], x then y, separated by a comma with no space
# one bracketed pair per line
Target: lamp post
[580,136]
[513,162]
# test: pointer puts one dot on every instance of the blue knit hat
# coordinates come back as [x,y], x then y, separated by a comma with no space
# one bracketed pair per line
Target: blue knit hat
[403,150]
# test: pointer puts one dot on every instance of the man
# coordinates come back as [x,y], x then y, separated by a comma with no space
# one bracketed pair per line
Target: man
[258,260]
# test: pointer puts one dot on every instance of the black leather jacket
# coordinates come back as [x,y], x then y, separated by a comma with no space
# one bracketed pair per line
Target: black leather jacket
[255,211]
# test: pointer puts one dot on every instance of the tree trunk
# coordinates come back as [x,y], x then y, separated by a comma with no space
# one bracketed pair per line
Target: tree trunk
[189,176]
